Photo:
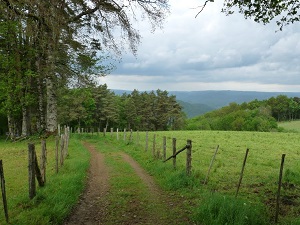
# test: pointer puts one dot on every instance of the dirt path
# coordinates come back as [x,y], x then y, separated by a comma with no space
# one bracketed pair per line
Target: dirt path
[94,206]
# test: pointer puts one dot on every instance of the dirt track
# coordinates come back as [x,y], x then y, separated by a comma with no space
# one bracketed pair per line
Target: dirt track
[93,207]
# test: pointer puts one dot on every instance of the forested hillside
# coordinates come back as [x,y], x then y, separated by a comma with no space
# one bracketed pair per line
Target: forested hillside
[253,116]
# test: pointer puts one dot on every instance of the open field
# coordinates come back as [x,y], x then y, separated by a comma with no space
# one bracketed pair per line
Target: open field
[259,184]
[290,125]
[257,196]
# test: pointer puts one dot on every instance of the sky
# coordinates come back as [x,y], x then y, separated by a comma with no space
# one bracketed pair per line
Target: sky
[210,52]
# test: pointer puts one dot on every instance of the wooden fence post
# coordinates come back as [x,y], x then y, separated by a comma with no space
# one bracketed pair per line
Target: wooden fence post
[279,188]
[174,152]
[124,134]
[211,164]
[188,157]
[104,132]
[147,137]
[62,146]
[130,135]
[3,191]
[56,153]
[242,172]
[31,170]
[43,160]
[164,147]
[117,134]
[67,137]
[154,145]
[111,132]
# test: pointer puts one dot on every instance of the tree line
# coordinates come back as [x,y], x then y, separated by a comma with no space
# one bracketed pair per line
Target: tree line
[252,116]
[98,107]
[49,45]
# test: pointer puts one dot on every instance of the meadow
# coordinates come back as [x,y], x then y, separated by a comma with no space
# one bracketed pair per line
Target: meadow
[293,126]
[213,203]
[260,181]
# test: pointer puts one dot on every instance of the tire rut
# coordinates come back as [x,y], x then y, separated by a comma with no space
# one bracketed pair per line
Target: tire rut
[94,206]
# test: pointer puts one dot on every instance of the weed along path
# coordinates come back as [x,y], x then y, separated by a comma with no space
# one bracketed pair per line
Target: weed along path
[119,191]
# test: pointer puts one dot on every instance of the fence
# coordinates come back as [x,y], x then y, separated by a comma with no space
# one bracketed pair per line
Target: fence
[37,171]
[156,154]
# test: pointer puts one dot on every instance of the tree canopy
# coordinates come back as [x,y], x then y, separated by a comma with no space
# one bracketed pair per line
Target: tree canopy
[285,12]
[48,45]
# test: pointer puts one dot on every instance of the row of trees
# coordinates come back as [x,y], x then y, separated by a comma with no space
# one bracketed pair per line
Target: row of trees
[253,116]
[99,107]
[49,45]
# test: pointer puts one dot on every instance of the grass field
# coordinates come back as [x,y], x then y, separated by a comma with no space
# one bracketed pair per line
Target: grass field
[259,184]
[213,203]
[290,125]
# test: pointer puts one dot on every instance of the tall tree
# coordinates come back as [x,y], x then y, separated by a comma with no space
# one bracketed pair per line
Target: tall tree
[65,28]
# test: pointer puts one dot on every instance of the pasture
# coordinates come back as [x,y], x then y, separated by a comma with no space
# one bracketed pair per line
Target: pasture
[293,126]
[256,199]
[260,180]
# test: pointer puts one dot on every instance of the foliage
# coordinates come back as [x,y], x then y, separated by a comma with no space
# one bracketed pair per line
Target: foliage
[284,11]
[252,116]
[98,107]
[48,45]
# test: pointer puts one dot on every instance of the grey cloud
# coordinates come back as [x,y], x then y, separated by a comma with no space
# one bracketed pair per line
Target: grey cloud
[216,48]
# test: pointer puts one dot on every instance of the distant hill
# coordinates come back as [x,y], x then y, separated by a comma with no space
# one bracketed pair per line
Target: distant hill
[199,102]
[218,99]
[196,109]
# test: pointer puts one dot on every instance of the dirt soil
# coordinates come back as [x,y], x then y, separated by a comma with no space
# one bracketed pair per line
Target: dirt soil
[92,208]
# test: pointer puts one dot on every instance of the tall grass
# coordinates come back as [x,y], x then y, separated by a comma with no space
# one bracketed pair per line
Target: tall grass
[52,202]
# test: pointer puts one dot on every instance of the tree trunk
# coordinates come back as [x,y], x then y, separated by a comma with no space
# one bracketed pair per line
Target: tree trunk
[41,112]
[11,128]
[24,122]
[51,119]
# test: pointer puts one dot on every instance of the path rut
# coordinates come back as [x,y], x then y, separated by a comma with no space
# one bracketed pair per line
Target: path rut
[93,206]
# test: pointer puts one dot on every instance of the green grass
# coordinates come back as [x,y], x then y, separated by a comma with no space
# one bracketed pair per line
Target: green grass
[259,184]
[129,196]
[213,203]
[52,202]
[290,125]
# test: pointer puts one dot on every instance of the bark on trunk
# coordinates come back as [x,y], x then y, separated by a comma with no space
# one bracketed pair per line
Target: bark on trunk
[24,122]
[11,128]
[51,119]
[41,111]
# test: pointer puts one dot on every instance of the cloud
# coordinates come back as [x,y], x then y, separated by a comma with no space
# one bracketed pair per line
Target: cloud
[212,50]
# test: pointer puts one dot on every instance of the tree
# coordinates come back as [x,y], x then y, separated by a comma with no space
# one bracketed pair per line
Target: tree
[285,12]
[63,32]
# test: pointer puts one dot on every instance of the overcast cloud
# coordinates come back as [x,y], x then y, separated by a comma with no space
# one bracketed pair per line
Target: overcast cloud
[211,52]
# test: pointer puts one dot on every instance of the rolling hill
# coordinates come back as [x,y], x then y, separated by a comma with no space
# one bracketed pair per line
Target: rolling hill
[199,102]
